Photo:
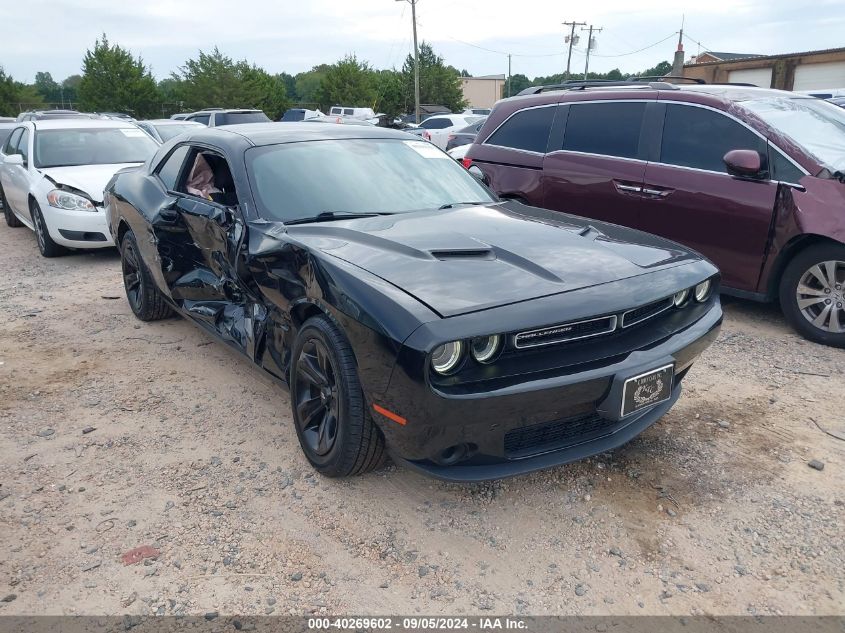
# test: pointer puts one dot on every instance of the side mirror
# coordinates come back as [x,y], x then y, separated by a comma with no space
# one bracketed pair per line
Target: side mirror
[479,175]
[14,159]
[745,163]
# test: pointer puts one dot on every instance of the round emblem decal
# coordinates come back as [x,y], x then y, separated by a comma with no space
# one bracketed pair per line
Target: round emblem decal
[648,392]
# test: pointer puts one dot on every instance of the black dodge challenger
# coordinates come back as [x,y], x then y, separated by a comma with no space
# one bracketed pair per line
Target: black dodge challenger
[408,310]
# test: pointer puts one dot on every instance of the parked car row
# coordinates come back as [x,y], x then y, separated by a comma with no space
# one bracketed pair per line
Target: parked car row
[471,332]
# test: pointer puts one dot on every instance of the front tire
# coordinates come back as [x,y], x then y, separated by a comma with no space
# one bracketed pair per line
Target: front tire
[46,244]
[143,295]
[812,294]
[334,427]
[11,218]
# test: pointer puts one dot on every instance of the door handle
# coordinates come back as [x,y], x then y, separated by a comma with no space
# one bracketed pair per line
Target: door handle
[657,193]
[627,188]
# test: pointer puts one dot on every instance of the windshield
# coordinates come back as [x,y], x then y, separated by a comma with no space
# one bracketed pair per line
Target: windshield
[168,131]
[92,146]
[815,125]
[293,115]
[301,180]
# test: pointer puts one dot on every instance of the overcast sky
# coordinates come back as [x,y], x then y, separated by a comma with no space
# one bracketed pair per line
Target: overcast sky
[283,35]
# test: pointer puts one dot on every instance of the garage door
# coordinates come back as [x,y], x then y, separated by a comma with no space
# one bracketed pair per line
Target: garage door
[813,76]
[758,76]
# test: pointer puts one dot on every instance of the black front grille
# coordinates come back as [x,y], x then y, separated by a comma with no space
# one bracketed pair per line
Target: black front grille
[565,332]
[632,317]
[555,435]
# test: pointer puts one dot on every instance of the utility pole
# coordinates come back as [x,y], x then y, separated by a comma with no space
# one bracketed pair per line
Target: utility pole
[572,40]
[589,47]
[413,4]
[509,74]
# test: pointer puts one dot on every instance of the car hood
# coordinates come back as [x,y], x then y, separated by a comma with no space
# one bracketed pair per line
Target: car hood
[478,257]
[89,179]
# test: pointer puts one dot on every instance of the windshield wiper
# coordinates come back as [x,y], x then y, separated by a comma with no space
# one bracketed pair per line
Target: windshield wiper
[328,216]
[449,205]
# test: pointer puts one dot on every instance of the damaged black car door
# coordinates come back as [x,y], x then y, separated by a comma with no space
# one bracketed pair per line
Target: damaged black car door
[198,240]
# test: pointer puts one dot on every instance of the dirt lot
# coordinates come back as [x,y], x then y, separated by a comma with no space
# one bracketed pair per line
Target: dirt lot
[714,510]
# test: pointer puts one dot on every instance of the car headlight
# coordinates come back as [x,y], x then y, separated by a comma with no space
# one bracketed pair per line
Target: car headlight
[680,298]
[446,357]
[702,291]
[69,201]
[484,348]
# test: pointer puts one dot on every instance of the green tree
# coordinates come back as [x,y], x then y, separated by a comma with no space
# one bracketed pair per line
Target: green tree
[519,82]
[439,84]
[113,80]
[16,97]
[347,82]
[390,88]
[70,90]
[49,90]
[663,68]
[308,83]
[215,80]
[290,86]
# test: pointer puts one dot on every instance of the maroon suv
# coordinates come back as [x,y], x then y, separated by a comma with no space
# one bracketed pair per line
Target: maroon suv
[752,178]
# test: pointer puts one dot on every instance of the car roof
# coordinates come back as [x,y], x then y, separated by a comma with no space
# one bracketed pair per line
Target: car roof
[169,122]
[741,93]
[274,133]
[226,110]
[77,124]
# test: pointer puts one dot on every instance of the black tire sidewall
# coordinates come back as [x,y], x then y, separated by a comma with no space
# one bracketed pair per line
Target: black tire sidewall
[350,397]
[128,242]
[10,217]
[789,284]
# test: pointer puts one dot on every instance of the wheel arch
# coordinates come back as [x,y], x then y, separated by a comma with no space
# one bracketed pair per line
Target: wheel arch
[795,246]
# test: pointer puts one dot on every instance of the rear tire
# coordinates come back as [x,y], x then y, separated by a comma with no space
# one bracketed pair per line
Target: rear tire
[11,218]
[143,295]
[335,429]
[812,294]
[46,244]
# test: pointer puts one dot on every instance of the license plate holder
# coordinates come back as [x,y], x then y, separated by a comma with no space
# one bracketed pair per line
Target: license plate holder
[647,389]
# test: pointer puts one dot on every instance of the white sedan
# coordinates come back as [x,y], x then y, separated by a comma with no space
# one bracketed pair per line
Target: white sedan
[438,127]
[52,176]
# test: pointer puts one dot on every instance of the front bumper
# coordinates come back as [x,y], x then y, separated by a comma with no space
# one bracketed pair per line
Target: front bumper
[548,408]
[77,229]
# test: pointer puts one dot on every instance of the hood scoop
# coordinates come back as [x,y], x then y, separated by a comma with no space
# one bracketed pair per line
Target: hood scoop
[590,232]
[463,253]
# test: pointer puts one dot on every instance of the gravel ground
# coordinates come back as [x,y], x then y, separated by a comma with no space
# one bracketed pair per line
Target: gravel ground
[117,435]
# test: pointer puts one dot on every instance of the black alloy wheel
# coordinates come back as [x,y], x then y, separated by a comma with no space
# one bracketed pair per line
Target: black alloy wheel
[144,298]
[334,427]
[316,397]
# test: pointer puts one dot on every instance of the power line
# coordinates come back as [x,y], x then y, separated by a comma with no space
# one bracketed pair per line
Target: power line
[639,50]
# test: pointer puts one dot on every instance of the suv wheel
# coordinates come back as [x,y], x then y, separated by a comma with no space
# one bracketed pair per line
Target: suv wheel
[812,294]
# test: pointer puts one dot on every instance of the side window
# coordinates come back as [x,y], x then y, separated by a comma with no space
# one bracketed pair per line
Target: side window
[201,118]
[208,177]
[12,143]
[436,124]
[782,169]
[168,171]
[348,111]
[609,129]
[700,138]
[526,130]
[23,146]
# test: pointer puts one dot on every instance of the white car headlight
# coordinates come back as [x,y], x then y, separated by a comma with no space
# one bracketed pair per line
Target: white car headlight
[446,357]
[702,291]
[484,348]
[69,201]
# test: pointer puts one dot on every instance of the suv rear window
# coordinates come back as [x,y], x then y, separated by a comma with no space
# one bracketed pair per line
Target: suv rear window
[526,130]
[436,124]
[698,137]
[609,129]
[233,118]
